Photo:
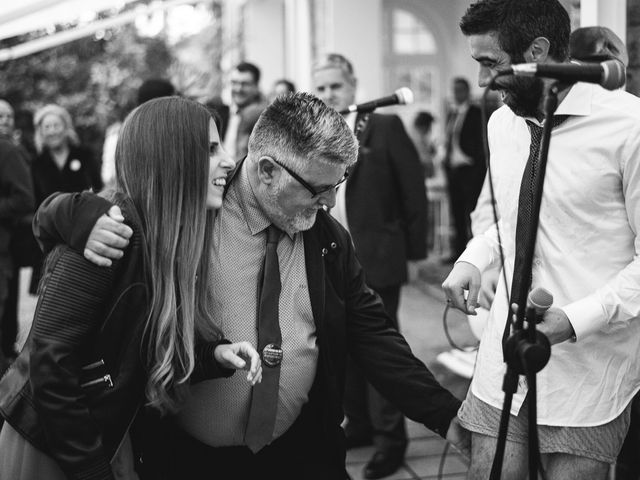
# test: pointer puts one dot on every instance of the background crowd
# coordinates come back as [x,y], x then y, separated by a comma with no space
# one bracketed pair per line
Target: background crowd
[382,200]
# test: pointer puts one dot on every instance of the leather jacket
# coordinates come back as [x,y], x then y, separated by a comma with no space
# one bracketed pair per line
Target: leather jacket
[76,386]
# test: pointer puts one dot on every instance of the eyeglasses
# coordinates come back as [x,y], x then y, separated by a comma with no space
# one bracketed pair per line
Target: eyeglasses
[314,191]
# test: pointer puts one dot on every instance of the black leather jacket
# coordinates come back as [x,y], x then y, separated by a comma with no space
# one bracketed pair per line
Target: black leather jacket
[76,387]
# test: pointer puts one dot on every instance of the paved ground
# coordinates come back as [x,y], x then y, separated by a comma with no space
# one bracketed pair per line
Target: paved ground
[421,309]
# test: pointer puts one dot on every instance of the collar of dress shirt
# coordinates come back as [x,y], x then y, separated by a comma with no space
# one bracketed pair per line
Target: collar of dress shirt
[577,102]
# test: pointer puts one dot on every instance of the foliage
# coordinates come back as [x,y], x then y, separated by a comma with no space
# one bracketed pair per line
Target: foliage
[95,79]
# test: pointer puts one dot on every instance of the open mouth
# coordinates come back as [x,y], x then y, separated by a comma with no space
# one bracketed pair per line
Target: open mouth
[219,182]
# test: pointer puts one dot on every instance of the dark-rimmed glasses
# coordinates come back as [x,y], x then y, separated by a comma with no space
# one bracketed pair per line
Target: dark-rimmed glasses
[314,191]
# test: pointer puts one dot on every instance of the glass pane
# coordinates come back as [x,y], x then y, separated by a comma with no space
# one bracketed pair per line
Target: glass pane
[410,35]
[402,20]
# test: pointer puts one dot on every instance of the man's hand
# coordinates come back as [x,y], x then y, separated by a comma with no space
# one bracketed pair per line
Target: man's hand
[460,438]
[464,276]
[108,238]
[556,326]
[240,356]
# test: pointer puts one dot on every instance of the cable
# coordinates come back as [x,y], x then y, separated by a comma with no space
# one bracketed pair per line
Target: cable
[443,458]
[445,327]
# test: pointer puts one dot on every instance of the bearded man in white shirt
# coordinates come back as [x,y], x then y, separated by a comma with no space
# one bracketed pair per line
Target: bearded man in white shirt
[586,253]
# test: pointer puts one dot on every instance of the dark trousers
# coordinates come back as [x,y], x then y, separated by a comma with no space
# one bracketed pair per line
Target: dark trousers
[628,464]
[9,319]
[5,277]
[369,413]
[301,453]
[464,185]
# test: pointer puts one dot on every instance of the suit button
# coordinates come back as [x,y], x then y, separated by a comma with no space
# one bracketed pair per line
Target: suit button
[333,245]
[324,251]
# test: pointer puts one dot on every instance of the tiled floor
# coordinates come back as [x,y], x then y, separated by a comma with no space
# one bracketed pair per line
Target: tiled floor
[424,458]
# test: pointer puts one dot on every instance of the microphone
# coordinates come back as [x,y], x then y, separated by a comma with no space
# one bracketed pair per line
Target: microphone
[402,96]
[538,302]
[610,74]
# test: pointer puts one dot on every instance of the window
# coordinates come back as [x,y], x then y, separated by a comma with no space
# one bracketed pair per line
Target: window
[410,35]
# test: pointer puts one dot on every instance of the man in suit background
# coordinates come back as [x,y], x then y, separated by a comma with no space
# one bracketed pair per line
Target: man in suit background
[464,162]
[384,206]
[247,105]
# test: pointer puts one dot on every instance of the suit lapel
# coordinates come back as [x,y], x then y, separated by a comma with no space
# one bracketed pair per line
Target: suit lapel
[315,277]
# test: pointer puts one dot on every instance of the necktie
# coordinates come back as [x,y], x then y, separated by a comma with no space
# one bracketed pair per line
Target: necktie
[264,398]
[530,178]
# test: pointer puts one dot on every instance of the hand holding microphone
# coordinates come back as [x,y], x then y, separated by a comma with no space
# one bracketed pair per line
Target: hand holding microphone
[551,321]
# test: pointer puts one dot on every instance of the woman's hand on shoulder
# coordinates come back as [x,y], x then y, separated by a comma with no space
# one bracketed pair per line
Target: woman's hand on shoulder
[240,356]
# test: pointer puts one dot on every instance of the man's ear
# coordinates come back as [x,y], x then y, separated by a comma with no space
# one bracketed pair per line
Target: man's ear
[267,171]
[538,51]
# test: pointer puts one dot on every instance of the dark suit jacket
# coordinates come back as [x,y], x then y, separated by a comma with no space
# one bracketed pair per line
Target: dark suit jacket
[16,196]
[471,136]
[350,318]
[386,202]
[471,142]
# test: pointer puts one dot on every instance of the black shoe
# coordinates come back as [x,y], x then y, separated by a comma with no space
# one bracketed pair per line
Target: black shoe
[355,441]
[383,463]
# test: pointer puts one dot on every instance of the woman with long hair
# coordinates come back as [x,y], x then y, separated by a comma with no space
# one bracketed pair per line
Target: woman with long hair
[105,339]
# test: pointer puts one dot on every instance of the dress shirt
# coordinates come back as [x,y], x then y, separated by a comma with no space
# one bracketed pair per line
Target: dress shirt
[217,411]
[458,158]
[585,255]
[339,212]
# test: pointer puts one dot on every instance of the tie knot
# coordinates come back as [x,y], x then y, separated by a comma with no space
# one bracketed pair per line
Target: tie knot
[273,234]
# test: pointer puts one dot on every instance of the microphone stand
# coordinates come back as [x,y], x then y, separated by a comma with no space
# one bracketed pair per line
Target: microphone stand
[527,351]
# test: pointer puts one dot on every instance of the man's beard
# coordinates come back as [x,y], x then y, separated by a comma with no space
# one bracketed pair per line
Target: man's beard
[300,222]
[522,94]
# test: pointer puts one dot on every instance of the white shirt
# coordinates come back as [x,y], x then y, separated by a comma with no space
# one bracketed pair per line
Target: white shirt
[586,255]
[458,158]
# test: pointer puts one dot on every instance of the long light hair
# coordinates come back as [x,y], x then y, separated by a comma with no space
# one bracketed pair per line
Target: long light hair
[63,115]
[162,165]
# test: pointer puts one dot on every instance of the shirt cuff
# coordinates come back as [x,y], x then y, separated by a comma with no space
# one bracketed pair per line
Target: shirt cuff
[477,253]
[586,316]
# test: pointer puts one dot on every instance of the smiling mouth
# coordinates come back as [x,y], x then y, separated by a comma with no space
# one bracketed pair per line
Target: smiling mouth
[219,182]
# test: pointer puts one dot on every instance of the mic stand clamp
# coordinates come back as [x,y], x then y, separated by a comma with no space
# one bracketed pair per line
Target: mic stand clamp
[527,351]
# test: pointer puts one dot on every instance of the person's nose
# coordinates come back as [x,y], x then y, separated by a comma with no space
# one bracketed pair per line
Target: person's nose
[328,199]
[485,75]
[227,162]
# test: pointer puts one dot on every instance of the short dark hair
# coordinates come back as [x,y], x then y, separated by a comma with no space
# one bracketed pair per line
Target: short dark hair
[155,88]
[423,120]
[462,81]
[519,22]
[287,83]
[251,68]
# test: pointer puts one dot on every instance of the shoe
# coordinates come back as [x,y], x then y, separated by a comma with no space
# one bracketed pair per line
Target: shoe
[355,441]
[383,463]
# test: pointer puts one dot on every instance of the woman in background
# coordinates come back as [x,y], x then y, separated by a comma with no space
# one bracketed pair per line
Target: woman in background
[62,164]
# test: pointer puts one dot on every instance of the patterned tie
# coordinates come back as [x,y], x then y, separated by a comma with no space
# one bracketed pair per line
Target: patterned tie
[264,399]
[531,177]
